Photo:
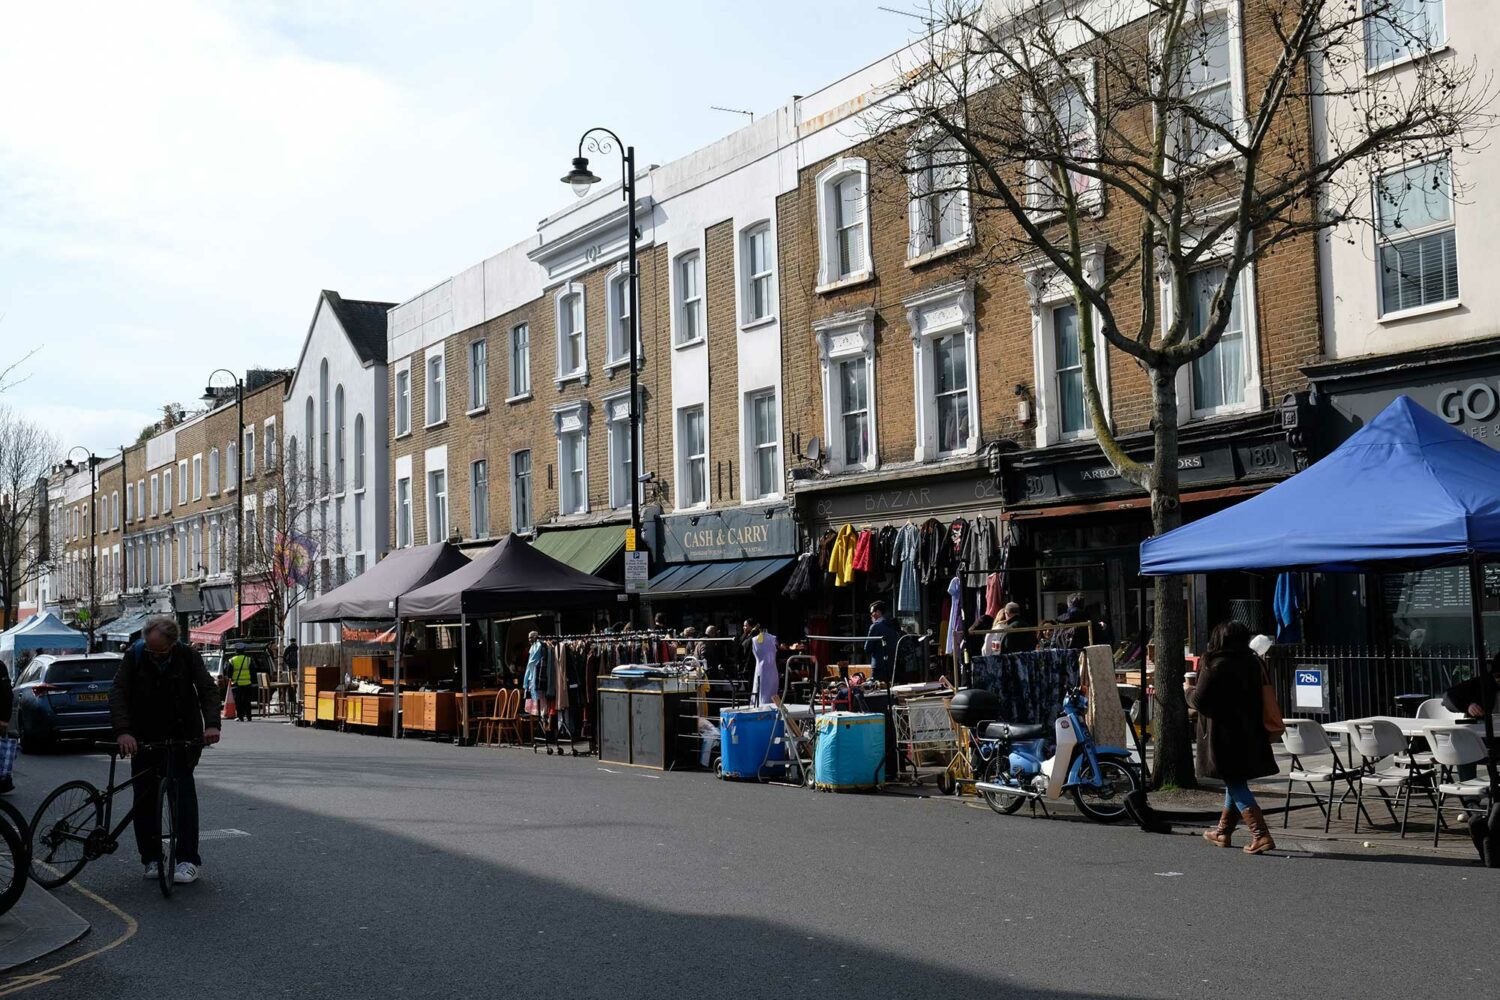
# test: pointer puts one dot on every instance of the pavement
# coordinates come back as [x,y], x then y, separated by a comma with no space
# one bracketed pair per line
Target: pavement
[342,865]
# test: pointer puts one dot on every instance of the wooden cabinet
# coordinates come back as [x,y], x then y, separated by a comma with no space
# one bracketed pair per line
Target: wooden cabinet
[367,710]
[429,711]
[315,682]
[330,706]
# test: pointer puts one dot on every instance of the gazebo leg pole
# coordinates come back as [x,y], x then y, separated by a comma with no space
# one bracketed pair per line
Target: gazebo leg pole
[463,677]
[396,676]
[1486,682]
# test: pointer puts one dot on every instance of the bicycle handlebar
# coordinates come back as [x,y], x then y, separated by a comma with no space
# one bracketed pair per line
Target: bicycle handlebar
[113,746]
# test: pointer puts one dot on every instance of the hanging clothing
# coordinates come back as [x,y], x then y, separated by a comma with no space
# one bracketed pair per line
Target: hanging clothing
[981,550]
[862,554]
[958,539]
[905,554]
[1287,605]
[1031,685]
[994,595]
[767,683]
[955,642]
[841,559]
[539,679]
[802,584]
[935,546]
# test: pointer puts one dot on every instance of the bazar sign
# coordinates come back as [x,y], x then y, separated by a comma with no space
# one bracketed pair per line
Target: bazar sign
[730,534]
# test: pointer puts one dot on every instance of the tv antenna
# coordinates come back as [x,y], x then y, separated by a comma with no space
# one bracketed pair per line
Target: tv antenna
[733,111]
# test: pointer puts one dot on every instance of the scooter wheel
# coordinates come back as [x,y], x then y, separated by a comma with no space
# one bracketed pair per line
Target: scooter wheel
[1002,804]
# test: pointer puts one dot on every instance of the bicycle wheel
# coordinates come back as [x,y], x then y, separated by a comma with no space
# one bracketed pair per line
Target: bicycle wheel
[166,808]
[1005,805]
[1105,802]
[18,821]
[13,864]
[60,830]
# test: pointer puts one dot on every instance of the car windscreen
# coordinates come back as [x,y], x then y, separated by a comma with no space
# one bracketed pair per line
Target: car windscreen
[81,671]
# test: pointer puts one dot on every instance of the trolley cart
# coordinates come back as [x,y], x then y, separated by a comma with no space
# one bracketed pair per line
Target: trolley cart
[925,730]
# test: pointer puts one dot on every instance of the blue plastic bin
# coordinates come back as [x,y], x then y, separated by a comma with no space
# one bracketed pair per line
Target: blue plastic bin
[851,752]
[746,747]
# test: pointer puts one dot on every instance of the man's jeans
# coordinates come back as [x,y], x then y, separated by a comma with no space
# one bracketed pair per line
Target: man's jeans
[147,818]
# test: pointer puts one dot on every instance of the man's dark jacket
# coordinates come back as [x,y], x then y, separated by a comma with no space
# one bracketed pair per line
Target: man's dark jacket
[176,700]
[881,647]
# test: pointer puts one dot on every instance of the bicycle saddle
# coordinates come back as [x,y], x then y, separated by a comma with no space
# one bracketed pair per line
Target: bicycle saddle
[1014,731]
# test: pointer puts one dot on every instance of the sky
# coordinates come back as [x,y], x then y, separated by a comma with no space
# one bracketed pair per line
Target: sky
[179,178]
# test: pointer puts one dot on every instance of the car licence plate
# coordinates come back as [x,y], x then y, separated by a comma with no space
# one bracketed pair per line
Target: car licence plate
[91,697]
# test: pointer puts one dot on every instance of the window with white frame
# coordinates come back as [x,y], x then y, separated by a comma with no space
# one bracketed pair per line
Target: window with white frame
[270,444]
[572,425]
[249,450]
[520,491]
[941,322]
[843,222]
[572,356]
[1073,418]
[403,512]
[155,499]
[140,496]
[231,466]
[1417,242]
[1058,356]
[198,477]
[359,451]
[1065,125]
[323,401]
[757,274]
[1398,31]
[359,523]
[182,483]
[114,511]
[437,505]
[692,445]
[1208,85]
[339,455]
[621,472]
[846,350]
[765,445]
[479,389]
[690,325]
[938,209]
[166,490]
[437,396]
[520,360]
[1219,377]
[617,346]
[403,401]
[479,499]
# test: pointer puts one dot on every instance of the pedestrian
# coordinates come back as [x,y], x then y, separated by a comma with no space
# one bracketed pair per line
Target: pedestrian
[713,654]
[242,677]
[162,691]
[881,645]
[1233,745]
[289,658]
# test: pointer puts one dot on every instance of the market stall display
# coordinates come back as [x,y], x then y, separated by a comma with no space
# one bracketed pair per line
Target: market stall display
[850,753]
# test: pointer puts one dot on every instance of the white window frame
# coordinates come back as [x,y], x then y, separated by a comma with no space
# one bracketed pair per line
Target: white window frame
[1187,406]
[198,476]
[568,420]
[921,213]
[829,277]
[114,510]
[479,495]
[1046,290]
[685,459]
[1381,242]
[479,378]
[516,521]
[269,445]
[231,466]
[684,305]
[402,405]
[166,491]
[435,389]
[840,338]
[749,278]
[520,375]
[437,501]
[1437,44]
[616,314]
[933,315]
[360,452]
[182,483]
[403,511]
[750,462]
[1236,43]
[616,418]
[560,300]
[1083,71]
[155,496]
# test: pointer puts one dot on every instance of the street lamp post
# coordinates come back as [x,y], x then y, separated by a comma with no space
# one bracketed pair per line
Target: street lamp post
[209,395]
[93,530]
[602,141]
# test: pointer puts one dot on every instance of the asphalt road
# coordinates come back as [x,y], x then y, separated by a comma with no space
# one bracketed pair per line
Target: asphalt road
[376,869]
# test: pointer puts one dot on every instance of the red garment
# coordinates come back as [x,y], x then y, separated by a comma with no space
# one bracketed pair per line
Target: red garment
[994,595]
[863,561]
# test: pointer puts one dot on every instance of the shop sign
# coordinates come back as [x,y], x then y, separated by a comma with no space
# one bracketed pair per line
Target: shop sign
[733,533]
[1468,398]
[1308,692]
[916,500]
[1223,462]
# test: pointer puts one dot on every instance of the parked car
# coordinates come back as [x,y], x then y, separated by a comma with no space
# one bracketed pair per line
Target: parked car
[64,697]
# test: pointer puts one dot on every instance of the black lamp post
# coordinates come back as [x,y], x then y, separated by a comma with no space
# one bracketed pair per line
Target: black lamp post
[70,468]
[209,396]
[581,179]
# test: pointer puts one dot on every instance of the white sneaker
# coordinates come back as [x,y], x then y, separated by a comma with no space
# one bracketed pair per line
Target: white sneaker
[152,872]
[186,873]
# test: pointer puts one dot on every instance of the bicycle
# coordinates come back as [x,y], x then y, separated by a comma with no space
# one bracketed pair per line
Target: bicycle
[72,825]
[15,856]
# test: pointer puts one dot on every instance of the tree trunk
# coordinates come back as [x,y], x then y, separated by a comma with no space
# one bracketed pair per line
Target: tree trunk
[1174,757]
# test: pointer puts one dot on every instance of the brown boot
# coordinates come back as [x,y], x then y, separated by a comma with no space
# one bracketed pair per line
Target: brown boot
[1260,834]
[1219,835]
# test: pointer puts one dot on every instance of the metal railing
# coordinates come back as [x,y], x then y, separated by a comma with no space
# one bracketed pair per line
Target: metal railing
[1362,681]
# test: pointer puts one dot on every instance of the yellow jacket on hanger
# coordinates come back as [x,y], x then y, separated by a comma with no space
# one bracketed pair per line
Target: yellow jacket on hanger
[841,558]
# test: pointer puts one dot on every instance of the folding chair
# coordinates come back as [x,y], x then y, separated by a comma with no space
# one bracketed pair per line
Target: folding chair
[1305,738]
[1377,740]
[1452,747]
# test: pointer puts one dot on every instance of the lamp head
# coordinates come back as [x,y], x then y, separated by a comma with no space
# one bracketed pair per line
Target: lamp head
[580,178]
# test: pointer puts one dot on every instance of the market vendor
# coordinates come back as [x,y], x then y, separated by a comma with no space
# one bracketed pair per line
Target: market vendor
[1467,697]
[881,646]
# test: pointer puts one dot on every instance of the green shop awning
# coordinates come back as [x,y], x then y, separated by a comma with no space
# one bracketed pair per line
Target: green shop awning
[585,549]
[740,576]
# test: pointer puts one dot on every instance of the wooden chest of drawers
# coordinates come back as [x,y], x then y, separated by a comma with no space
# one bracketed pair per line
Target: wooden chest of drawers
[330,706]
[429,711]
[367,710]
[315,681]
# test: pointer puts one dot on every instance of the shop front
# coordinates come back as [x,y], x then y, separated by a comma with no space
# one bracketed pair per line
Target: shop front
[1423,610]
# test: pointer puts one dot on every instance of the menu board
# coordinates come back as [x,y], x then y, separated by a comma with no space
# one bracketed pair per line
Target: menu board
[1443,591]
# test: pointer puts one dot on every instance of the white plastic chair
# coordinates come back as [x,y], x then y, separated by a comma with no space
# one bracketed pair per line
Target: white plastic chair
[1377,740]
[1305,738]
[1455,746]
[1432,708]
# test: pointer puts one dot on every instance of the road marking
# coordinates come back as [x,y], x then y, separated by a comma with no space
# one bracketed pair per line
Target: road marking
[19,983]
[224,834]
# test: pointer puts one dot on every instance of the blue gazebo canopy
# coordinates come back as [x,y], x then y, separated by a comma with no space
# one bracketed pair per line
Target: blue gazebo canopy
[1405,491]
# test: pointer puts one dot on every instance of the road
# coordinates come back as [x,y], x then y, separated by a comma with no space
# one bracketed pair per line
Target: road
[370,868]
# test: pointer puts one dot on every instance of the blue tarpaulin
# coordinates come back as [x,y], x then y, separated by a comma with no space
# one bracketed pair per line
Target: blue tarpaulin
[1405,491]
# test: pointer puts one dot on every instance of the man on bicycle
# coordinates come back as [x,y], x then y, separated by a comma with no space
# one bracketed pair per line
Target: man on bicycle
[163,691]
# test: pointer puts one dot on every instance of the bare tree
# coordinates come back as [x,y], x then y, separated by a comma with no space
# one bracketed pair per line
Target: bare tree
[1119,149]
[26,543]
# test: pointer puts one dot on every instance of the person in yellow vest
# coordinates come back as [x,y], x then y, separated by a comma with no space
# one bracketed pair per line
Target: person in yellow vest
[243,679]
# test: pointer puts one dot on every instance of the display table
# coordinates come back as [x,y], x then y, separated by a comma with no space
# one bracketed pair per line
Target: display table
[642,718]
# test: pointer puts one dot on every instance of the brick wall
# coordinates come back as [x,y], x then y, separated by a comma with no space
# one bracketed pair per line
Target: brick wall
[725,477]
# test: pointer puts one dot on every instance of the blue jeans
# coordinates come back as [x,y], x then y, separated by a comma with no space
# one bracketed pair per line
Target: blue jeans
[1237,795]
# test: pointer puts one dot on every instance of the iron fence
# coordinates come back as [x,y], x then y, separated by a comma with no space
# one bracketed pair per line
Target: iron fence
[1352,682]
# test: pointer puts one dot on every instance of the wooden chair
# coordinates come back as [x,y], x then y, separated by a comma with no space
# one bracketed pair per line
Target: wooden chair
[525,725]
[511,721]
[488,719]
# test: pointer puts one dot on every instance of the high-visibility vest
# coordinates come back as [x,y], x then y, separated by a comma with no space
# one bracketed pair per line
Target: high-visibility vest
[239,670]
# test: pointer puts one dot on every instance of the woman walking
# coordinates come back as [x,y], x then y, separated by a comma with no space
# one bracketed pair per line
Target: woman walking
[1232,742]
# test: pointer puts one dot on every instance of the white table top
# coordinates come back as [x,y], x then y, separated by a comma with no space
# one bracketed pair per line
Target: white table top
[1408,727]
